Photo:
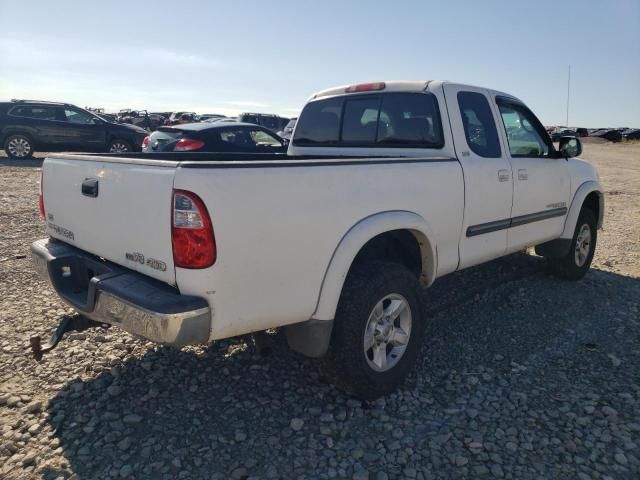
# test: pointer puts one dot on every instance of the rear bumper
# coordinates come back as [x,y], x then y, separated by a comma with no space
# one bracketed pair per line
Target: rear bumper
[109,293]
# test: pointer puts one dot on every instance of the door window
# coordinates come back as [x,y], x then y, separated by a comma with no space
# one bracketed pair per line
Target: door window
[77,116]
[479,126]
[523,135]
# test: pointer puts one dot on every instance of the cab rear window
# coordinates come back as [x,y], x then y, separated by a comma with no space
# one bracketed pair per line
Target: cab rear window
[383,120]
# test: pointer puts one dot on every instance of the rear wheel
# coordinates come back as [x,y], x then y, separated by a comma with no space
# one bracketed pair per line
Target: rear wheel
[377,331]
[575,264]
[18,147]
[119,146]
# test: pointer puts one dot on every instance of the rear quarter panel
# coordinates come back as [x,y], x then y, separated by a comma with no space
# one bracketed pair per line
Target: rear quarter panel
[276,229]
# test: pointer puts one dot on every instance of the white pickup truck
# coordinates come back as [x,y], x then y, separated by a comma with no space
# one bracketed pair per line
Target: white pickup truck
[385,187]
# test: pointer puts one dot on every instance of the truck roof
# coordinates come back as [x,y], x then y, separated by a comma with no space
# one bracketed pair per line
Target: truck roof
[393,86]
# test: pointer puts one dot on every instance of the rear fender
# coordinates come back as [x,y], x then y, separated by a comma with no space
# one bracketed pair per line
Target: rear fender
[356,238]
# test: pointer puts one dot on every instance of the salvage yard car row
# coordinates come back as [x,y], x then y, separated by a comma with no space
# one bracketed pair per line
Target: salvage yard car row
[27,126]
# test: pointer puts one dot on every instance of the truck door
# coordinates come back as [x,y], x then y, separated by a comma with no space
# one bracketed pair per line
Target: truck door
[488,180]
[541,186]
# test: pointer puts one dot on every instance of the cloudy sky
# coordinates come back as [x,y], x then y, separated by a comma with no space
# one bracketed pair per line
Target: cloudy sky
[229,57]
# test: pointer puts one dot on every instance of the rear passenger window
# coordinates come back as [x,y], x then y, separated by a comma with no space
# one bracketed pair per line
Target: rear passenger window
[479,126]
[387,120]
[41,113]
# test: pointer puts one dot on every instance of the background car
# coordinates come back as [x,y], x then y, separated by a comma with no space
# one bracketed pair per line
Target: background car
[631,134]
[214,137]
[287,131]
[555,136]
[177,118]
[268,120]
[210,116]
[141,118]
[29,125]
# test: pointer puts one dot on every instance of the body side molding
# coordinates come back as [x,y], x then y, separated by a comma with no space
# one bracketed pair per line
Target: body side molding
[496,225]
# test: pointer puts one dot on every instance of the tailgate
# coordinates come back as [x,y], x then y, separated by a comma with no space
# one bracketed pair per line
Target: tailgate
[120,211]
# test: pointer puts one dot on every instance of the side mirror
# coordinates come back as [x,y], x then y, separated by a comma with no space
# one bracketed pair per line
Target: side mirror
[96,121]
[570,147]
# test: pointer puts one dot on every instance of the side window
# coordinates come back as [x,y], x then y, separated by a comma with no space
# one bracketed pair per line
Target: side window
[410,119]
[479,126]
[360,120]
[524,138]
[319,123]
[76,116]
[263,138]
[238,137]
[41,113]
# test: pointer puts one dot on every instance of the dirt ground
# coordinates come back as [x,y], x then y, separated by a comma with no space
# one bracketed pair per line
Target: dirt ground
[522,376]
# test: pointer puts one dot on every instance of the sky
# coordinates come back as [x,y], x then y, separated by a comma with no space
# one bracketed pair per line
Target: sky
[233,56]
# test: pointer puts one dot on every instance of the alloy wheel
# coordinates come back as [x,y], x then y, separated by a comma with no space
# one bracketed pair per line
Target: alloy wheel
[387,332]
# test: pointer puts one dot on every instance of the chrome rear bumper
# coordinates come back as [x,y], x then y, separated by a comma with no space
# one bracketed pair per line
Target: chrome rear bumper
[109,293]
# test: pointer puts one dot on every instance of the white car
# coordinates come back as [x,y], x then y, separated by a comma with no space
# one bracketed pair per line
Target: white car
[385,188]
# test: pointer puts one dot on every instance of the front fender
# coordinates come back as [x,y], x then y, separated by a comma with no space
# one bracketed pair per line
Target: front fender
[576,205]
[353,241]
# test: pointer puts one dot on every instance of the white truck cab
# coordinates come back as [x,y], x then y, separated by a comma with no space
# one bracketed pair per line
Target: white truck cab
[386,187]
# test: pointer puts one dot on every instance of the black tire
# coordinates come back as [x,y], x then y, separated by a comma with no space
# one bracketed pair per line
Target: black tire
[118,145]
[570,267]
[19,147]
[345,363]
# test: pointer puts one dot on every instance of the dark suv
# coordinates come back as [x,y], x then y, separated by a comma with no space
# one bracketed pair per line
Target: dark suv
[29,125]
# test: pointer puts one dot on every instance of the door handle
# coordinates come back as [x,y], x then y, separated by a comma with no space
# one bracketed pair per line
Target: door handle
[90,187]
[523,174]
[504,175]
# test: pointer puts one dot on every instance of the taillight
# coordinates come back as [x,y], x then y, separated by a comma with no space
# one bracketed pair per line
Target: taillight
[41,197]
[145,142]
[365,87]
[187,144]
[194,245]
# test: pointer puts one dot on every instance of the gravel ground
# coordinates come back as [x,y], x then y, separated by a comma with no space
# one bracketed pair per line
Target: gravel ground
[523,376]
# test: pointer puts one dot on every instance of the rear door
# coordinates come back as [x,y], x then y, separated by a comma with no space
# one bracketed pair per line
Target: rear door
[541,186]
[38,120]
[488,180]
[124,215]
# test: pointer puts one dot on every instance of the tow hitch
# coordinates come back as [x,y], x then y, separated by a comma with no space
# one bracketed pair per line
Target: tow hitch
[76,323]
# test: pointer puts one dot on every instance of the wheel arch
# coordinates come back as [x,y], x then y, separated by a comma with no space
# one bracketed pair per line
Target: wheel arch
[589,195]
[358,237]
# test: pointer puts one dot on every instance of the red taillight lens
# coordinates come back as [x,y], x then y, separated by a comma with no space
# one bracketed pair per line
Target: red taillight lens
[365,87]
[145,142]
[41,197]
[187,144]
[194,245]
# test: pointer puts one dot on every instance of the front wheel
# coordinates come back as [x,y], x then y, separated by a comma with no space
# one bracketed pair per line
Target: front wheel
[377,330]
[575,264]
[119,146]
